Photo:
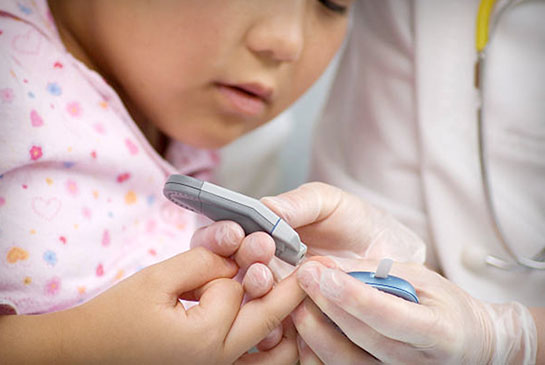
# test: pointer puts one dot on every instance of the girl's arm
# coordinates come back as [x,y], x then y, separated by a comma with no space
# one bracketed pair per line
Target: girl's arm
[142,320]
[112,321]
[33,339]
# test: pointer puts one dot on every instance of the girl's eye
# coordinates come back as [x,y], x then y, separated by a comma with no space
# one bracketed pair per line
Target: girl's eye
[333,6]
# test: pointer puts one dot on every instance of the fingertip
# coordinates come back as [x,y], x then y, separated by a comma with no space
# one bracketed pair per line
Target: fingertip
[256,247]
[258,281]
[308,274]
[263,246]
[222,238]
[228,236]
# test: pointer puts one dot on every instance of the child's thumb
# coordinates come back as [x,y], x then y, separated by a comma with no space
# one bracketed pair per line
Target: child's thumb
[191,270]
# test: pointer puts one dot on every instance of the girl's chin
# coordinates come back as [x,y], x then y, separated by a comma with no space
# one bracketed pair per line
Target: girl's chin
[210,141]
[213,134]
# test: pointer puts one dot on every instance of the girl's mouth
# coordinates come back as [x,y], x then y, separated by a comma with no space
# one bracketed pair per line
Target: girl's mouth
[249,99]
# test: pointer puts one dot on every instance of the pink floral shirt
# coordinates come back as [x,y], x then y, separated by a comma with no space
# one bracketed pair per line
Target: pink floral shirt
[81,203]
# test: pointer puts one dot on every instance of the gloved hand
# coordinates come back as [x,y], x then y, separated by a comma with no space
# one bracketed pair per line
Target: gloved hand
[448,326]
[336,223]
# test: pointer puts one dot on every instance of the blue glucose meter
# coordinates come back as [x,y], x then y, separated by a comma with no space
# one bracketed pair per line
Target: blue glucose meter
[389,284]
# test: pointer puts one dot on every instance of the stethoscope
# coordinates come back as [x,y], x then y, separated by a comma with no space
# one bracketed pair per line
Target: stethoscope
[483,30]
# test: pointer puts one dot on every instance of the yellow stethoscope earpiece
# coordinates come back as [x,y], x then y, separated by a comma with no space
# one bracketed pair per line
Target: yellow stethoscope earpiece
[483,19]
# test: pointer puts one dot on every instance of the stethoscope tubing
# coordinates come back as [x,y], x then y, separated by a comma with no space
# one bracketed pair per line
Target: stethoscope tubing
[482,36]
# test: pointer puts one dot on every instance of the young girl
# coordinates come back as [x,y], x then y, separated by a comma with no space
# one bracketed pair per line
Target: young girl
[100,101]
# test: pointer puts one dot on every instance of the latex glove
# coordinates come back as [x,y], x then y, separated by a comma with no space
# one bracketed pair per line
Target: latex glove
[140,320]
[333,222]
[448,326]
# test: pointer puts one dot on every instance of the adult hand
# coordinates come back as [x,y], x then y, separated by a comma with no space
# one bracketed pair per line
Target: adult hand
[141,320]
[448,326]
[333,222]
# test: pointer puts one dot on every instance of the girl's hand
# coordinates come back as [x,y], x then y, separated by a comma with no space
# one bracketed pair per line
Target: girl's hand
[141,320]
[252,253]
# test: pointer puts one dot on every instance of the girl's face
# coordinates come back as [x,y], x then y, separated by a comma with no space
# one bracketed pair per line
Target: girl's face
[205,71]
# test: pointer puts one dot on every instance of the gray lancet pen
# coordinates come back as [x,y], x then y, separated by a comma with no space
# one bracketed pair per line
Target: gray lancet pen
[218,203]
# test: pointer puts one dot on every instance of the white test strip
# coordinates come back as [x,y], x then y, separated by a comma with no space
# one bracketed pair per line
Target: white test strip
[383,268]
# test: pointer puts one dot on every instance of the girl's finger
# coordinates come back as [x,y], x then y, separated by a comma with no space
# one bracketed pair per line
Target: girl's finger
[285,352]
[223,237]
[256,247]
[257,318]
[187,271]
[257,281]
[218,306]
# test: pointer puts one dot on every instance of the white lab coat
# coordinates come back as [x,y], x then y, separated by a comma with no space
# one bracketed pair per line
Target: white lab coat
[400,130]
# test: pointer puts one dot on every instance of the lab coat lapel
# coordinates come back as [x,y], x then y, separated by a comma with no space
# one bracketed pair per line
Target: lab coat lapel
[446,107]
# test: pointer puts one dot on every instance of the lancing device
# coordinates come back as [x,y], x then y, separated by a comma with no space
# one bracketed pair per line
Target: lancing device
[219,203]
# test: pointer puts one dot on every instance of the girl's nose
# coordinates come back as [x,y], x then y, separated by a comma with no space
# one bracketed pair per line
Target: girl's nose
[280,34]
